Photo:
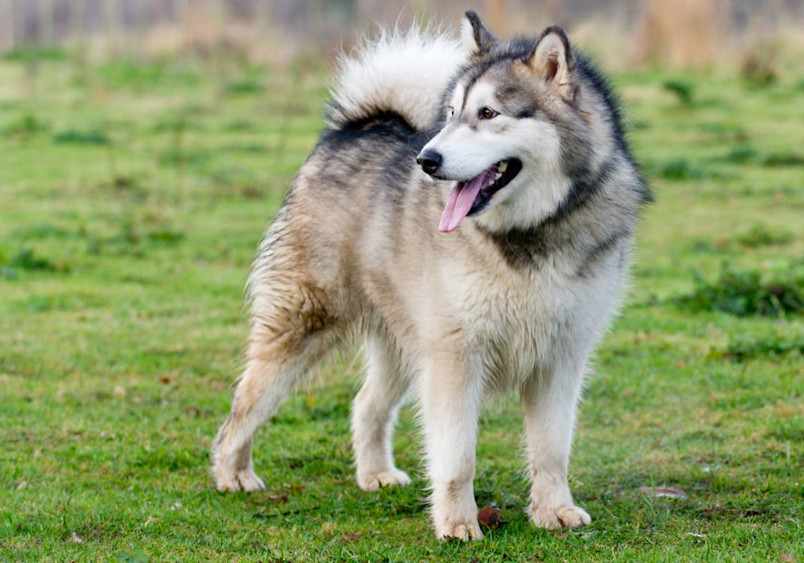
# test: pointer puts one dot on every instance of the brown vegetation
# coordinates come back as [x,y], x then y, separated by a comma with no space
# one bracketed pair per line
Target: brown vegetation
[681,33]
[756,37]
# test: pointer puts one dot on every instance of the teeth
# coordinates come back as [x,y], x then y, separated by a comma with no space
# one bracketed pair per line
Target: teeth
[502,167]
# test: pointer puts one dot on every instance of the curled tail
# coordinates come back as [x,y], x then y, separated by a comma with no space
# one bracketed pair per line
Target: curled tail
[404,73]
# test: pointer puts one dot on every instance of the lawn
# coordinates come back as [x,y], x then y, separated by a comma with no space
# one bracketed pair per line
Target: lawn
[132,197]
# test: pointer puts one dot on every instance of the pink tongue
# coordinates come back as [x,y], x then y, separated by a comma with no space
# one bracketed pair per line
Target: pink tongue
[460,200]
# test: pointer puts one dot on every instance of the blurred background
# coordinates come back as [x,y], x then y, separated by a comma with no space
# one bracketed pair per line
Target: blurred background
[146,144]
[681,33]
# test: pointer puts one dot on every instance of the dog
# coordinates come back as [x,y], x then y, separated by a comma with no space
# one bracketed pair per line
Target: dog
[469,213]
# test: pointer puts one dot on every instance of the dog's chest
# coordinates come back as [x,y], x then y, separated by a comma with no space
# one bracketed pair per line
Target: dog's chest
[516,319]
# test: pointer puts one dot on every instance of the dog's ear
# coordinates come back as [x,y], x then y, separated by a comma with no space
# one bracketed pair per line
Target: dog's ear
[477,40]
[552,59]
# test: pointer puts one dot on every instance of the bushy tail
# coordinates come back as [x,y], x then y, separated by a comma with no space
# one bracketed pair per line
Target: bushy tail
[400,72]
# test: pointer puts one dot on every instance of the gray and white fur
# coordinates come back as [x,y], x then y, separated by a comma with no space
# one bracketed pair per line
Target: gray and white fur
[500,268]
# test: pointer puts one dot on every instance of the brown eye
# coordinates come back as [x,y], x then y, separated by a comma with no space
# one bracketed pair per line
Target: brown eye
[486,113]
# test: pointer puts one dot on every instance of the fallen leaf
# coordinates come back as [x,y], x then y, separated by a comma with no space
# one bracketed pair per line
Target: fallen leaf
[278,498]
[164,379]
[664,492]
[489,516]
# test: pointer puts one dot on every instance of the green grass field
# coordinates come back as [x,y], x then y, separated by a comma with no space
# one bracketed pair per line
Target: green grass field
[132,198]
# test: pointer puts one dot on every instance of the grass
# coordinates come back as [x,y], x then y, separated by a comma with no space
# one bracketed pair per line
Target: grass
[748,293]
[132,198]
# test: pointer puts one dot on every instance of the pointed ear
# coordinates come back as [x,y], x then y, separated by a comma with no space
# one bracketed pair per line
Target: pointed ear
[477,40]
[552,59]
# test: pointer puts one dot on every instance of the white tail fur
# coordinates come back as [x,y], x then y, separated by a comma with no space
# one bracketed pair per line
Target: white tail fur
[403,72]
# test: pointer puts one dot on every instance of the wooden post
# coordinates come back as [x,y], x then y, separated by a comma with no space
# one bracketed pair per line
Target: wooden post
[315,23]
[263,9]
[180,15]
[140,8]
[111,29]
[46,16]
[498,22]
[220,13]
[7,25]
[76,20]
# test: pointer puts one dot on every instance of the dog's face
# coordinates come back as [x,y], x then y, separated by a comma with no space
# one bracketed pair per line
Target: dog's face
[506,126]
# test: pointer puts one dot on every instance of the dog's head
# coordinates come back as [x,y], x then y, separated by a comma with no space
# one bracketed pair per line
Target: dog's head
[514,128]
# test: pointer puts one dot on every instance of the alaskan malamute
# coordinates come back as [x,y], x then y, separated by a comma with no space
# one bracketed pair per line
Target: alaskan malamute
[469,213]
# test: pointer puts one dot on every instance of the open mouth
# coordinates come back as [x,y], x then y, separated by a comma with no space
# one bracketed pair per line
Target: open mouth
[471,196]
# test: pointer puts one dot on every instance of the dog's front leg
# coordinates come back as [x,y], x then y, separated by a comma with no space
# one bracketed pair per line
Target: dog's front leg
[549,401]
[450,400]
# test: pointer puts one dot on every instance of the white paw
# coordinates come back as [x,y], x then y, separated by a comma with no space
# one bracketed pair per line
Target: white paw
[243,480]
[375,481]
[559,517]
[463,531]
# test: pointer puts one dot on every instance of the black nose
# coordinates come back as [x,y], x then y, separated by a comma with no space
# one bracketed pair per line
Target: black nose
[429,160]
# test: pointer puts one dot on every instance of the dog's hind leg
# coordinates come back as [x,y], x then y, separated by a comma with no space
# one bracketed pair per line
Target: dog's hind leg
[374,414]
[290,331]
[263,385]
[550,401]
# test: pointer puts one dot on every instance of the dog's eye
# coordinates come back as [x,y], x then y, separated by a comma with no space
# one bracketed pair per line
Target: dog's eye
[486,113]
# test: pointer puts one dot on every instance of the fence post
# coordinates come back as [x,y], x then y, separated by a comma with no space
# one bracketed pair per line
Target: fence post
[263,17]
[110,16]
[315,22]
[497,16]
[46,17]
[183,17]
[7,22]
[140,25]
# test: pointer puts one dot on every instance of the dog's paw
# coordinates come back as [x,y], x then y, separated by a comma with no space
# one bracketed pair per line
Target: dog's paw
[559,517]
[463,531]
[243,480]
[375,481]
